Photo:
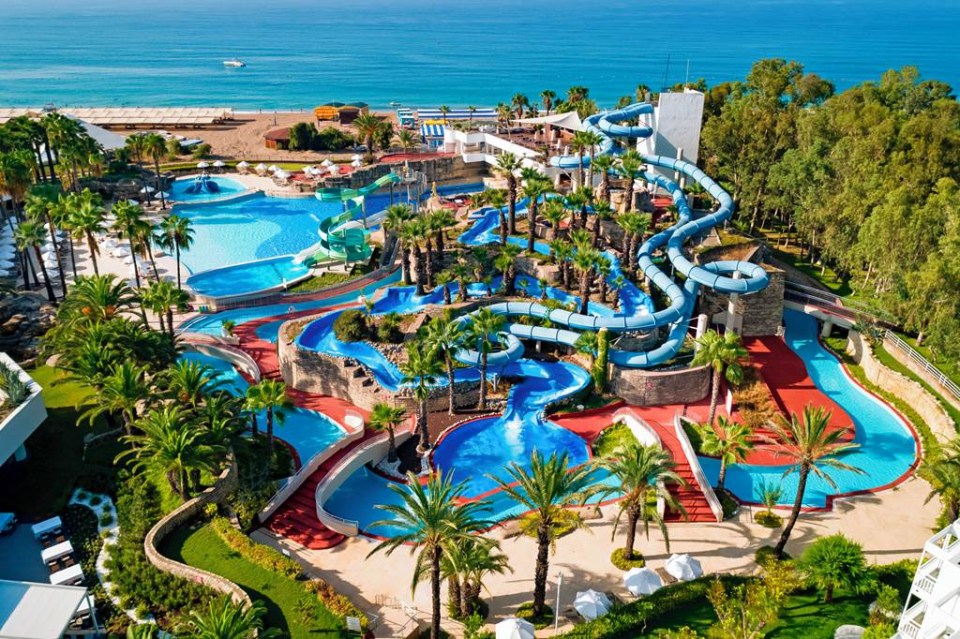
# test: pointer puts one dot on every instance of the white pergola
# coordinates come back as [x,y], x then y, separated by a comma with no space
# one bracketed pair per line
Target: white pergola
[38,611]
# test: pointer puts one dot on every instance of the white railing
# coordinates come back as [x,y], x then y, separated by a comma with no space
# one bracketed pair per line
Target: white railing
[296,480]
[926,584]
[941,380]
[698,475]
[364,453]
[230,354]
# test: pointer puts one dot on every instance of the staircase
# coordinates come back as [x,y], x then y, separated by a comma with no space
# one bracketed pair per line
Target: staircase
[297,519]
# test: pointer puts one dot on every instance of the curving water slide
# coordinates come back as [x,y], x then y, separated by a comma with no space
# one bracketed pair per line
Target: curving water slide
[342,237]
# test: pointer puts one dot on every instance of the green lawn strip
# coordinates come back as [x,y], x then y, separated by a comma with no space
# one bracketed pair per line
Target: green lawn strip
[827,277]
[893,363]
[43,483]
[806,616]
[283,597]
[945,366]
[321,281]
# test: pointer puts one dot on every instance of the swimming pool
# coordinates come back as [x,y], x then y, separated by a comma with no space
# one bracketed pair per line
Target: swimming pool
[226,188]
[252,277]
[887,447]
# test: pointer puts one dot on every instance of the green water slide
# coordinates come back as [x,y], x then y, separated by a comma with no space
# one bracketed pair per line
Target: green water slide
[342,237]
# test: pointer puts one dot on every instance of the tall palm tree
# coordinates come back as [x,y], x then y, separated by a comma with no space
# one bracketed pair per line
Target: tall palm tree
[188,382]
[61,131]
[506,263]
[548,98]
[643,474]
[97,298]
[581,143]
[519,102]
[412,234]
[809,446]
[170,445]
[385,417]
[421,370]
[438,222]
[461,273]
[634,226]
[497,199]
[604,267]
[723,353]
[407,139]
[728,440]
[122,392]
[367,126]
[535,188]
[629,165]
[176,235]
[38,208]
[274,400]
[553,212]
[546,487]
[507,165]
[253,406]
[87,217]
[129,224]
[603,164]
[483,331]
[224,619]
[446,338]
[134,144]
[578,201]
[163,298]
[585,261]
[601,212]
[155,146]
[31,235]
[397,215]
[429,517]
[466,561]
[562,252]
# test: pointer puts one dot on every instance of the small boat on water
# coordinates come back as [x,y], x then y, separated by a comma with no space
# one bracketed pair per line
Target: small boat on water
[395,104]
[235,63]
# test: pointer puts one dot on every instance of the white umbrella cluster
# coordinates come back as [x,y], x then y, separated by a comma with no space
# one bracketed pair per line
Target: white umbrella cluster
[202,165]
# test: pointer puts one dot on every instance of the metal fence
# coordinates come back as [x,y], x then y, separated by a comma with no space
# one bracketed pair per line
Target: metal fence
[941,380]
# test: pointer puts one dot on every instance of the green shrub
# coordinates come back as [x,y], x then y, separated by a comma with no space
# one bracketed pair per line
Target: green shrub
[882,630]
[174,148]
[765,554]
[80,526]
[106,519]
[16,390]
[332,139]
[388,330]
[525,611]
[337,603]
[96,500]
[302,136]
[834,562]
[210,511]
[768,519]
[201,151]
[351,326]
[617,559]
[258,554]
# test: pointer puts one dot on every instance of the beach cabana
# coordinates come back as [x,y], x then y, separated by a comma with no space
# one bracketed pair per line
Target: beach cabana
[277,139]
[350,112]
[328,111]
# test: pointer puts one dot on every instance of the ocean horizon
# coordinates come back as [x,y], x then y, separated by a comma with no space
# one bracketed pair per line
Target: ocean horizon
[301,53]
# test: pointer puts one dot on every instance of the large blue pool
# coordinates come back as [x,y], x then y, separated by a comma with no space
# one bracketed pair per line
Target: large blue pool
[887,448]
[247,278]
[226,188]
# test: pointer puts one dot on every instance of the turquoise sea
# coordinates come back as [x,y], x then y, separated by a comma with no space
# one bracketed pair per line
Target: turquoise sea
[430,52]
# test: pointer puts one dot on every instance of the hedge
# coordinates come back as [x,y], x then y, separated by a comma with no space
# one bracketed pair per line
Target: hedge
[631,619]
[257,554]
[337,603]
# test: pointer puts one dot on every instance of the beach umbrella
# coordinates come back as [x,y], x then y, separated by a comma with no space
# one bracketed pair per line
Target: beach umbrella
[642,581]
[219,164]
[592,604]
[273,168]
[147,189]
[513,628]
[327,163]
[128,260]
[281,174]
[356,163]
[356,156]
[202,165]
[243,164]
[120,251]
[261,168]
[684,567]
[109,243]
[164,195]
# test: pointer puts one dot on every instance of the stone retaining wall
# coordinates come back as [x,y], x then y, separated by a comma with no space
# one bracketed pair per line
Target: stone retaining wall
[762,312]
[920,372]
[225,485]
[652,388]
[893,382]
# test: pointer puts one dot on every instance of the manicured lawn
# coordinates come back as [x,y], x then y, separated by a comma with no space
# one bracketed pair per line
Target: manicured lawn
[827,277]
[612,438]
[321,281]
[43,483]
[283,597]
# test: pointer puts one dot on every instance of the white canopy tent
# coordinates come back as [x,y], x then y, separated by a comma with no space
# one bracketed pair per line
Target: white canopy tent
[569,120]
[592,604]
[514,628]
[642,581]
[38,611]
[683,567]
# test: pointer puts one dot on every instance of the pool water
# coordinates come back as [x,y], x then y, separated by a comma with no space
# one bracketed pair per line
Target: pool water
[228,188]
[251,277]
[887,448]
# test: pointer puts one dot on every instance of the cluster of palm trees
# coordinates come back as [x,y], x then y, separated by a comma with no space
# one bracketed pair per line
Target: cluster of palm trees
[943,473]
[153,146]
[374,131]
[421,241]
[221,619]
[434,518]
[577,98]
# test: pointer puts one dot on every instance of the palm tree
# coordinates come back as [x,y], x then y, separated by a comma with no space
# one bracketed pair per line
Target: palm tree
[446,338]
[176,234]
[170,445]
[578,201]
[535,188]
[273,399]
[809,446]
[585,261]
[582,142]
[429,517]
[421,370]
[634,226]
[601,212]
[412,233]
[723,354]
[163,298]
[504,113]
[497,199]
[519,102]
[122,391]
[728,440]
[444,110]
[553,212]
[461,273]
[98,298]
[548,98]
[944,478]
[155,146]
[224,619]
[438,222]
[32,235]
[643,474]
[367,126]
[562,252]
[37,207]
[188,382]
[484,327]
[407,139]
[629,165]
[546,488]
[466,561]
[253,406]
[603,164]
[385,417]
[507,165]
[129,224]
[134,144]
[604,267]
[61,131]
[397,215]
[87,220]
[506,263]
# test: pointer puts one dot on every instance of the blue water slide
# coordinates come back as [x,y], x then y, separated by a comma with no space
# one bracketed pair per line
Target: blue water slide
[608,126]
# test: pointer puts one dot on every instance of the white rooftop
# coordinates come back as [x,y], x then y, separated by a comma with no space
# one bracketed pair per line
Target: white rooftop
[37,611]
